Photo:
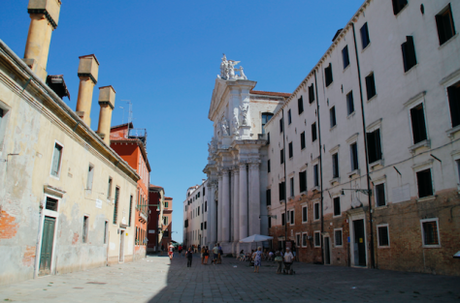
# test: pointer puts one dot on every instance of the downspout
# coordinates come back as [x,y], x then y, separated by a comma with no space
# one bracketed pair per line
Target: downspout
[369,196]
[285,181]
[320,167]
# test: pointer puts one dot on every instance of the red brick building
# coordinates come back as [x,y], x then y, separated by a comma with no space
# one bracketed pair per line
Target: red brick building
[130,144]
[156,206]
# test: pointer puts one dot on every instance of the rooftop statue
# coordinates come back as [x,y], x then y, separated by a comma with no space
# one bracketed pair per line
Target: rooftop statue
[227,70]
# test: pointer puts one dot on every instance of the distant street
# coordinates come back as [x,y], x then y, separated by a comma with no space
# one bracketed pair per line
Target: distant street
[155,279]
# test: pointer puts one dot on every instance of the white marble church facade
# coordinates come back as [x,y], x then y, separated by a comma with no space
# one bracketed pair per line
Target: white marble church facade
[236,170]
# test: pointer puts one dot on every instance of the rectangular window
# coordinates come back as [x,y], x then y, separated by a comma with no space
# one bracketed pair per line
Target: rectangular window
[300,104]
[317,239]
[282,156]
[289,117]
[350,103]
[380,195]
[205,206]
[303,181]
[297,243]
[337,210]
[430,232]
[109,188]
[417,115]
[292,186]
[424,183]
[328,75]
[332,117]
[313,132]
[354,156]
[283,221]
[89,179]
[338,237]
[269,222]
[315,175]
[2,126]
[398,5]
[291,150]
[365,35]
[268,166]
[383,235]
[205,224]
[445,24]
[302,140]
[165,220]
[84,237]
[345,57]
[317,211]
[374,148]
[198,211]
[56,164]
[408,52]
[199,193]
[304,239]
[204,191]
[268,138]
[370,86]
[281,125]
[269,197]
[311,94]
[335,165]
[166,204]
[281,190]
[291,217]
[454,103]
[51,204]
[106,230]
[115,205]
[458,170]
[130,209]
[304,214]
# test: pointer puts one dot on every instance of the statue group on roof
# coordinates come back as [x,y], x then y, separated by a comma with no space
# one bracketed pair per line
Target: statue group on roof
[227,70]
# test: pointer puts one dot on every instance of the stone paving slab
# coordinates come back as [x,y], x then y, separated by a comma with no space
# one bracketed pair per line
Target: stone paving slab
[157,279]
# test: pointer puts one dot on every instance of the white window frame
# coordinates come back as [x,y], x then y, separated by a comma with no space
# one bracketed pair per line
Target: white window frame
[306,239]
[60,160]
[385,193]
[410,104]
[378,235]
[420,167]
[305,207]
[341,233]
[423,232]
[314,238]
[314,212]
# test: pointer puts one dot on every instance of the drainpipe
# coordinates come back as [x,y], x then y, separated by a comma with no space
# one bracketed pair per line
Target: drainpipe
[285,180]
[369,196]
[320,167]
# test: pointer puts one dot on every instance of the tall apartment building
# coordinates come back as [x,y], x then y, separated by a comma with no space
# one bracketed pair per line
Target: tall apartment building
[155,221]
[360,165]
[365,153]
[195,216]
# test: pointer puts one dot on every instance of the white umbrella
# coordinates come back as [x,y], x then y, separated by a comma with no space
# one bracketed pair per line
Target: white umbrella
[255,238]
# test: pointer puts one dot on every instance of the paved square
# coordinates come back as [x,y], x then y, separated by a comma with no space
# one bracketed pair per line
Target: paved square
[156,279]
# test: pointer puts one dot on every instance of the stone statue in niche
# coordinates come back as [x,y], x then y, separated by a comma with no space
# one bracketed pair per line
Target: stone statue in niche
[235,123]
[227,70]
[224,125]
[244,114]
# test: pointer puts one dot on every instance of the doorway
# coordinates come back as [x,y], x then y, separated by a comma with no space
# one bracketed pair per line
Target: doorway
[46,253]
[122,246]
[327,251]
[359,243]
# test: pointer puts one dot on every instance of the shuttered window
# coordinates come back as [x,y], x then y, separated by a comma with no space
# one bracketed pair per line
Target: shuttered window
[303,181]
[374,148]
[365,40]
[56,164]
[311,94]
[408,52]
[418,123]
[328,75]
[300,104]
[398,5]
[454,103]
[445,25]
[345,57]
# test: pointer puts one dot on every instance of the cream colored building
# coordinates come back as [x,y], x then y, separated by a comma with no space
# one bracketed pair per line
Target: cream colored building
[66,199]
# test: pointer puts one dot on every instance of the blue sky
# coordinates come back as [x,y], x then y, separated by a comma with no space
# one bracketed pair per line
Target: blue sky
[164,56]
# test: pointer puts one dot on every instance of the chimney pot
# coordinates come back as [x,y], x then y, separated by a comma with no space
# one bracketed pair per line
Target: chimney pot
[107,104]
[89,67]
[50,8]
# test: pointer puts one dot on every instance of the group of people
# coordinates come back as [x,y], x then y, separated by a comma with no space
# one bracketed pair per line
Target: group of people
[257,256]
[216,251]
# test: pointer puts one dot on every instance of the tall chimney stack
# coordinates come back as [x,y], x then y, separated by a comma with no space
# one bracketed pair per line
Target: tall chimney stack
[44,17]
[107,103]
[87,72]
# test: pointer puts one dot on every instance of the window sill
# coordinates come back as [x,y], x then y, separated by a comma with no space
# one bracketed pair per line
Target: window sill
[381,207]
[407,72]
[372,98]
[367,46]
[351,115]
[316,188]
[402,9]
[334,180]
[448,41]
[422,144]
[336,216]
[453,131]
[376,164]
[432,246]
[333,127]
[427,198]
[356,172]
[383,247]
[347,67]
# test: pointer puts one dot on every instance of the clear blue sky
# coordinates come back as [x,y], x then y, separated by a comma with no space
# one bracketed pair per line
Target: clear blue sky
[164,56]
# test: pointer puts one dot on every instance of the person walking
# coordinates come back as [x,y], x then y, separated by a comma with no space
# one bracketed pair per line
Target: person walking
[278,261]
[257,259]
[202,254]
[215,251]
[171,251]
[206,255]
[219,256]
[189,255]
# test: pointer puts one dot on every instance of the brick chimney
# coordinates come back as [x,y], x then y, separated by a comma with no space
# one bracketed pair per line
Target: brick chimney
[107,103]
[44,17]
[87,72]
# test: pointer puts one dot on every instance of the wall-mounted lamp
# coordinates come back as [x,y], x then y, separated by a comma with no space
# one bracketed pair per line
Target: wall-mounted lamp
[358,190]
